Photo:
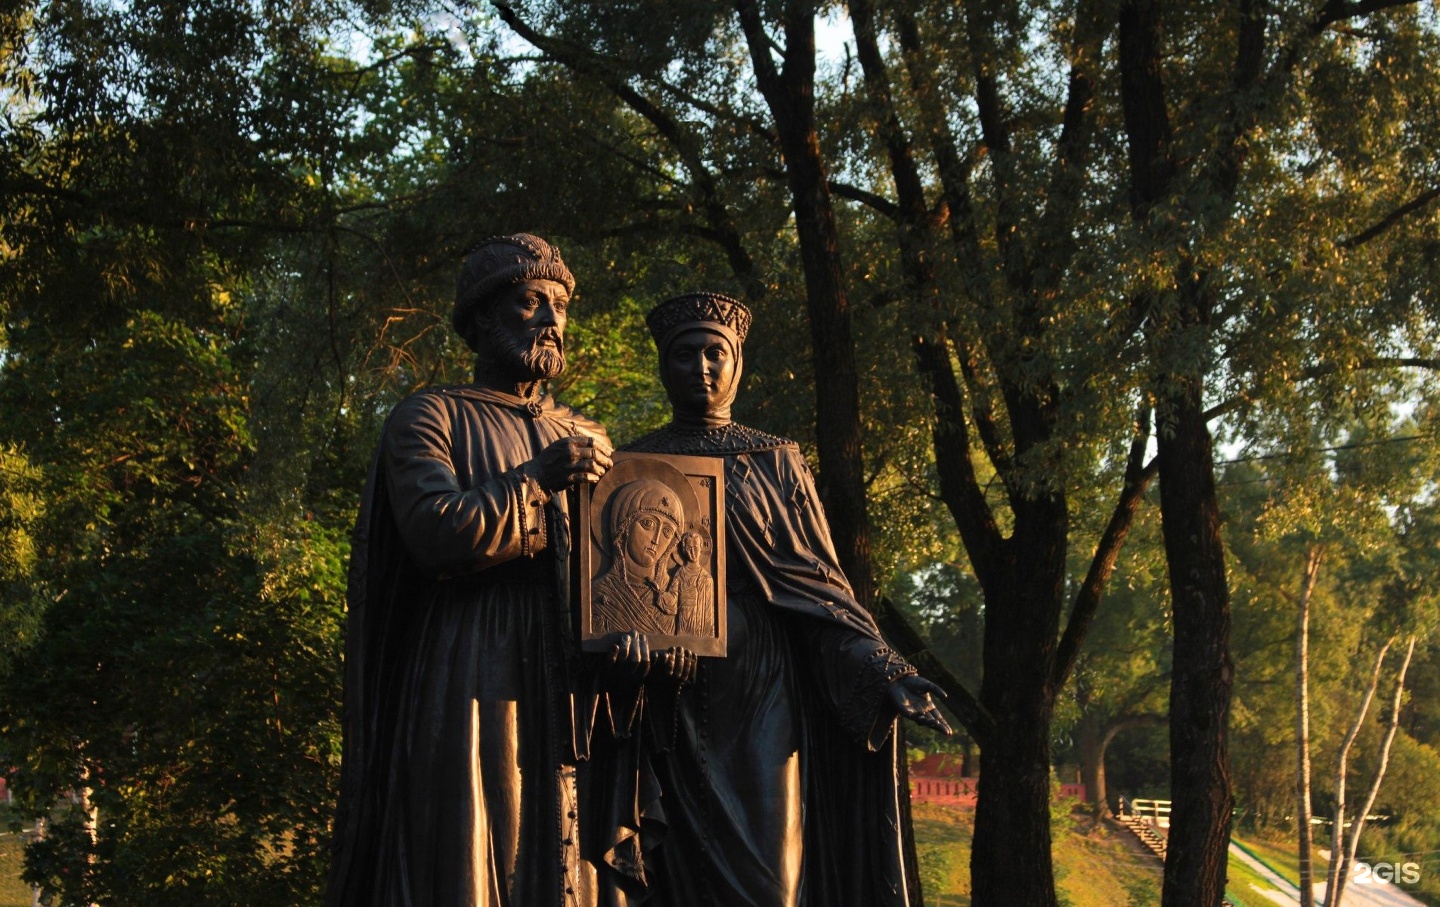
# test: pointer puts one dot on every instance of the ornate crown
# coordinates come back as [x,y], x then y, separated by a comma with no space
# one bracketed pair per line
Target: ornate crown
[692,308]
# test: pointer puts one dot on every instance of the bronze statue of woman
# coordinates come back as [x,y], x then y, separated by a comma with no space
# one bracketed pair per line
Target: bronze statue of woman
[776,785]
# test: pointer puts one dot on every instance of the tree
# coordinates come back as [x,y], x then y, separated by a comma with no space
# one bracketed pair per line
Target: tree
[1122,676]
[1303,811]
[22,507]
[1346,845]
[1349,493]
[181,676]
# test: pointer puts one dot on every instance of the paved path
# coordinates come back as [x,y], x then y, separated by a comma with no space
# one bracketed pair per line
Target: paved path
[1371,894]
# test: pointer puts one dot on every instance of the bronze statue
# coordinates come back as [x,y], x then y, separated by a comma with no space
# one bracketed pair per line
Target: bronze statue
[774,781]
[458,780]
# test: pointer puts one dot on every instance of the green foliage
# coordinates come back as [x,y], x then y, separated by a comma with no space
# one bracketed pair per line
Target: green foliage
[181,621]
[1366,505]
[185,672]
[21,509]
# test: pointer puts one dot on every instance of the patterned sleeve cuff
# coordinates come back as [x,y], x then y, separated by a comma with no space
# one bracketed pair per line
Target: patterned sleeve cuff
[864,714]
[530,501]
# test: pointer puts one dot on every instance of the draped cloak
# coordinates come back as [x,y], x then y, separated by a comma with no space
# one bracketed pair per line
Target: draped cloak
[460,743]
[773,780]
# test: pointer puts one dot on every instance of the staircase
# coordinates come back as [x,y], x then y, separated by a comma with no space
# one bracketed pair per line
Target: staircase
[1145,819]
[1146,832]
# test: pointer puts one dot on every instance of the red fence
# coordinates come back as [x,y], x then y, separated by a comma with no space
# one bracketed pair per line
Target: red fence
[944,790]
[961,791]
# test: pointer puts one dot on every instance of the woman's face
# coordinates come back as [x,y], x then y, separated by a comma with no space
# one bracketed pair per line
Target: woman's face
[649,537]
[700,370]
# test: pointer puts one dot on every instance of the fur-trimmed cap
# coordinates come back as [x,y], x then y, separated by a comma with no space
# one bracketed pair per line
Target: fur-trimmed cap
[499,262]
[698,309]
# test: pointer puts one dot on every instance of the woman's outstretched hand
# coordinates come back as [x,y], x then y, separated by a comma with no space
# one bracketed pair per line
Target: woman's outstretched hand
[914,697]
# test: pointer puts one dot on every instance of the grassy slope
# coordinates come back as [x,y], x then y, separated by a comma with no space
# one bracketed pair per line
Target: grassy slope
[1091,870]
[13,893]
[1245,887]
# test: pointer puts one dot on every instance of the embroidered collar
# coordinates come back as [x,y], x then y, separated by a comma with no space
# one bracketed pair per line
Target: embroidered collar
[721,439]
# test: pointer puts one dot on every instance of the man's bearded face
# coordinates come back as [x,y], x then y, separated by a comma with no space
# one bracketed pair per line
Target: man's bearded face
[523,331]
[528,356]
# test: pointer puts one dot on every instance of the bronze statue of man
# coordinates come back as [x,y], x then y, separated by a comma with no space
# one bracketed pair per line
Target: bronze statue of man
[775,783]
[458,779]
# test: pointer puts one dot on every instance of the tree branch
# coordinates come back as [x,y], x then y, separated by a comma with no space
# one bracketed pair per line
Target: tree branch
[1391,219]
[1072,152]
[568,54]
[995,129]
[985,425]
[878,203]
[959,486]
[909,188]
[1138,475]
[1340,10]
[954,169]
[1236,403]
[616,80]
[1147,118]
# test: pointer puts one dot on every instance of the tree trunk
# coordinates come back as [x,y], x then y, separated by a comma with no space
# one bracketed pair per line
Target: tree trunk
[790,96]
[1200,685]
[1202,676]
[1302,729]
[1022,579]
[1092,765]
[1342,766]
[1357,827]
[1095,739]
[1010,863]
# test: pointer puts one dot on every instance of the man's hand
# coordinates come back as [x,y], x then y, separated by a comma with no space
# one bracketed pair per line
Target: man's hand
[914,697]
[630,658]
[576,460]
[677,665]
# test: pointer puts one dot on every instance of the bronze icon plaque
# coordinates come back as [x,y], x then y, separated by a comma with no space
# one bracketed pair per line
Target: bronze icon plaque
[651,551]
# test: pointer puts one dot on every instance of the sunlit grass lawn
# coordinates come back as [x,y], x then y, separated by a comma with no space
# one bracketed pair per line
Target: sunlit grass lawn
[1094,866]
[13,893]
[1284,858]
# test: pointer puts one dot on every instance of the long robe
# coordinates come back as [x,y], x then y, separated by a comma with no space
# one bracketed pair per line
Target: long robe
[458,779]
[774,782]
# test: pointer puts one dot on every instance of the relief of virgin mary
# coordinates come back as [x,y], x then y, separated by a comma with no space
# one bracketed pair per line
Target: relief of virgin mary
[644,522]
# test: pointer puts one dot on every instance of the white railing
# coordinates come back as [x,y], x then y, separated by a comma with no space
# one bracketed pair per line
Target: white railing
[1154,812]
